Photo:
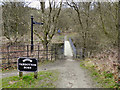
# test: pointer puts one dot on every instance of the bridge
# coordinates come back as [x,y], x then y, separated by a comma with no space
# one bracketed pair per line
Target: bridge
[67,48]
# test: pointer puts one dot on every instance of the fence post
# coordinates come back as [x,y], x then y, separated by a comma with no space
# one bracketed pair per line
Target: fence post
[27,51]
[8,54]
[38,52]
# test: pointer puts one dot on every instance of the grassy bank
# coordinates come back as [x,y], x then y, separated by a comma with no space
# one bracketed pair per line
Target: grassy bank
[45,80]
[104,80]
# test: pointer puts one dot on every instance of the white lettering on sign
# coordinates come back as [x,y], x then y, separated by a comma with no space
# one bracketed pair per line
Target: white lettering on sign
[33,64]
[27,67]
[27,64]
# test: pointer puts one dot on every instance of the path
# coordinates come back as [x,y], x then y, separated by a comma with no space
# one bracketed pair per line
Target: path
[71,74]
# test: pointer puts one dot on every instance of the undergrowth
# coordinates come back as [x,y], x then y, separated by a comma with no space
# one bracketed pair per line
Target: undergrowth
[104,79]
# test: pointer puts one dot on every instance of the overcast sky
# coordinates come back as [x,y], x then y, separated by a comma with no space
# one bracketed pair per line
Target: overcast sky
[33,3]
[36,3]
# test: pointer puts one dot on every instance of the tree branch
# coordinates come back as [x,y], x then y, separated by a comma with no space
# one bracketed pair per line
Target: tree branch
[35,32]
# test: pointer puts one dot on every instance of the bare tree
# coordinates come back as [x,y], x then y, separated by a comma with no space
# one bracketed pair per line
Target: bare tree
[50,19]
[85,24]
[14,20]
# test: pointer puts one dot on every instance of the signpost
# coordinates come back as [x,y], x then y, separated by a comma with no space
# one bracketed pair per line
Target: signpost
[33,22]
[28,65]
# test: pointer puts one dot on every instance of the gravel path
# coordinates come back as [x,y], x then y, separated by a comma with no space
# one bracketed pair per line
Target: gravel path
[71,74]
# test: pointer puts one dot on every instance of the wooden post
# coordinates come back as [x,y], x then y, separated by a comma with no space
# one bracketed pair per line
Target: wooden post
[20,74]
[35,75]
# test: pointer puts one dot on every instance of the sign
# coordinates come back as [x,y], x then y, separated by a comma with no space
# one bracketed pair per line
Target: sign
[27,64]
[37,23]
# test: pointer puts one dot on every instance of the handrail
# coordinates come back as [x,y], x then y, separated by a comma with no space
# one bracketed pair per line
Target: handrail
[73,47]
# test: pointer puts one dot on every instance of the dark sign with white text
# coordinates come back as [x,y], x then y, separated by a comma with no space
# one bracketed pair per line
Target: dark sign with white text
[27,64]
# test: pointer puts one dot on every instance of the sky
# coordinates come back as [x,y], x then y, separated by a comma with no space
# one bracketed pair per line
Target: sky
[35,3]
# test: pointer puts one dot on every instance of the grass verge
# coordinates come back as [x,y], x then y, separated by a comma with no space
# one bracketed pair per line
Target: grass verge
[45,80]
[104,80]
